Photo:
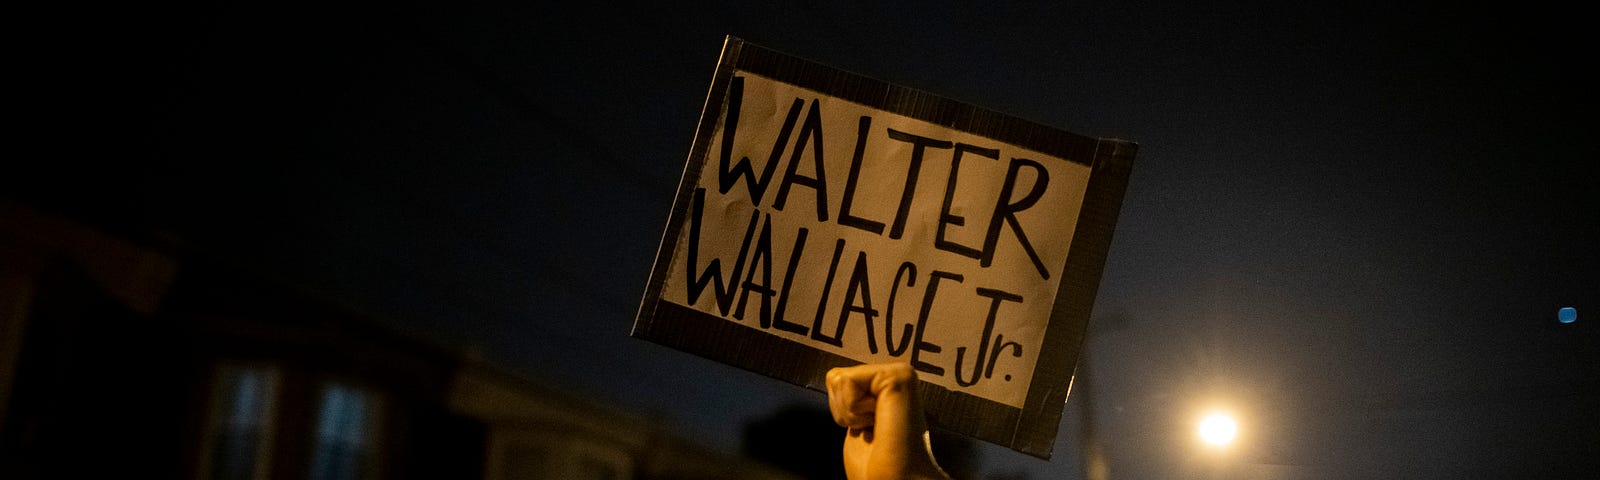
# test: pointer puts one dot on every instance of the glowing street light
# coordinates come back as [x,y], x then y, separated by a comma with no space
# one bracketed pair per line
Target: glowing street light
[1218,429]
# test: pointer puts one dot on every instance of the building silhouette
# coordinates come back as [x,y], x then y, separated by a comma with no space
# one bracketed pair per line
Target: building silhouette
[129,358]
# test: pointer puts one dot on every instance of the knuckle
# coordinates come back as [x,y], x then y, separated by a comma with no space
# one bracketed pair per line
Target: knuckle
[902,371]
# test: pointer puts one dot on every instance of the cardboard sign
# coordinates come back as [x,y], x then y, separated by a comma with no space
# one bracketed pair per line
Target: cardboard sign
[827,219]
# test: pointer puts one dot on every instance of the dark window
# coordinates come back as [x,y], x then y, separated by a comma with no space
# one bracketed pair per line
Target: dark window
[241,423]
[345,434]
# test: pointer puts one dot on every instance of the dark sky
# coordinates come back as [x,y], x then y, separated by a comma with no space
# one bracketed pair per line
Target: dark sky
[1354,223]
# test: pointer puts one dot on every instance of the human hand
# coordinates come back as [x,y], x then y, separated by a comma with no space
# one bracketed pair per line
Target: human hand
[886,435]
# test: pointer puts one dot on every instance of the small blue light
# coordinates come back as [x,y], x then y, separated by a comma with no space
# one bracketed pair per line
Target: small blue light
[1567,315]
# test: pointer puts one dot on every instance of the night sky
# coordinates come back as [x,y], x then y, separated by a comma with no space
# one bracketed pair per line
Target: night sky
[1354,224]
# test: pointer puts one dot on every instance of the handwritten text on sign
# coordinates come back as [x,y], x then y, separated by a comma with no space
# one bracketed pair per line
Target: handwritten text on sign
[878,237]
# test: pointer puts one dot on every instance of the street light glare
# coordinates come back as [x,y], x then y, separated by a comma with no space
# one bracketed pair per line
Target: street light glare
[1218,429]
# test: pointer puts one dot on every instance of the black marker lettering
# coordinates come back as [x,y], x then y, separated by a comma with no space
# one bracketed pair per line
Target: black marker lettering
[727,177]
[788,281]
[1005,210]
[845,218]
[858,284]
[822,303]
[1000,345]
[919,346]
[919,144]
[811,130]
[713,271]
[945,217]
[909,271]
[762,257]
[983,343]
